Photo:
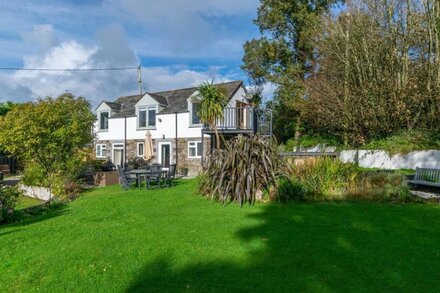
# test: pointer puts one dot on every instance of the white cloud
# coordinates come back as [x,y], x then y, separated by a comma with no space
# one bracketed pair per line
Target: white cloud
[111,50]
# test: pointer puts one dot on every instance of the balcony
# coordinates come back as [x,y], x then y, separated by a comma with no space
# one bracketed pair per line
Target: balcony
[238,120]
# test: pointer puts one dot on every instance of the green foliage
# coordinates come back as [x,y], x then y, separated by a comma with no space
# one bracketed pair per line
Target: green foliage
[290,190]
[381,187]
[307,141]
[406,141]
[247,166]
[48,136]
[212,102]
[5,108]
[325,177]
[9,198]
[284,55]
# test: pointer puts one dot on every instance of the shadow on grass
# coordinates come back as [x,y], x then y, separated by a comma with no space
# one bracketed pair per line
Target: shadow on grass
[34,214]
[315,247]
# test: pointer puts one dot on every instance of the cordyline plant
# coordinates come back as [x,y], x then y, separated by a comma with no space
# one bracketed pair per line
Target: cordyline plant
[246,167]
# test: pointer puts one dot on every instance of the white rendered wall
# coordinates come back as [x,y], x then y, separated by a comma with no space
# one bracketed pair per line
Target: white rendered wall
[165,125]
[381,159]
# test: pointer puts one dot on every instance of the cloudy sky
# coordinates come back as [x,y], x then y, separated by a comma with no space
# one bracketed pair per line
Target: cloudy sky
[179,43]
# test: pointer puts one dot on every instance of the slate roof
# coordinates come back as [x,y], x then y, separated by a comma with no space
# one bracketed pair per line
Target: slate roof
[173,100]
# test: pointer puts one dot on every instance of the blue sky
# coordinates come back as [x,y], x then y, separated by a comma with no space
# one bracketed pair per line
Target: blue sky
[179,43]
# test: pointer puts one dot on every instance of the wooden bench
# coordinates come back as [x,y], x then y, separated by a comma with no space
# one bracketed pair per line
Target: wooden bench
[5,169]
[428,177]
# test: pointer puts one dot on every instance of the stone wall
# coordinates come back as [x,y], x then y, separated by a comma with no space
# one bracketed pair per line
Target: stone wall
[192,165]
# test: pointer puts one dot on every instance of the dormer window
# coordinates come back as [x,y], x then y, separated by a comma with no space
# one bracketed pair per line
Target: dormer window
[103,120]
[147,117]
[195,119]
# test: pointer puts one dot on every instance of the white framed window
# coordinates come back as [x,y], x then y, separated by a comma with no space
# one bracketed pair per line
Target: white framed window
[103,117]
[140,149]
[101,151]
[195,149]
[147,117]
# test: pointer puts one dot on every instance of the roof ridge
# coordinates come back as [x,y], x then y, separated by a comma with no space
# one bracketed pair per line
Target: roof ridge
[196,87]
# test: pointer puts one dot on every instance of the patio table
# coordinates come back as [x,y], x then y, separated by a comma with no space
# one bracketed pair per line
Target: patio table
[145,172]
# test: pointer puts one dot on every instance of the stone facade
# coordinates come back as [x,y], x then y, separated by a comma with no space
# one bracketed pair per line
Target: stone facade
[185,165]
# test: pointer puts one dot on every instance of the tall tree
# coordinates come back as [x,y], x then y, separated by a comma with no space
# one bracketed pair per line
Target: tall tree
[211,104]
[47,135]
[284,55]
[379,71]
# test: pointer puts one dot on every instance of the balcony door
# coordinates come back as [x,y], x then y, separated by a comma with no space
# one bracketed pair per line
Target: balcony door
[243,115]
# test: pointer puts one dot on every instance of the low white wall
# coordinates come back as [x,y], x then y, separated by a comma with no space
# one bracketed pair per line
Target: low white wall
[381,159]
[41,193]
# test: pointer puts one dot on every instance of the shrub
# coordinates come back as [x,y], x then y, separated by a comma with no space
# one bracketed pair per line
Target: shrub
[381,186]
[9,197]
[325,177]
[247,166]
[290,190]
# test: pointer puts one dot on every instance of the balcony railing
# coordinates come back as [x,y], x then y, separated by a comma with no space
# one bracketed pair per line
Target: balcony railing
[245,119]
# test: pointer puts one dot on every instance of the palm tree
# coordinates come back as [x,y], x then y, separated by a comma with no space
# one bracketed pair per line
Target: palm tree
[212,102]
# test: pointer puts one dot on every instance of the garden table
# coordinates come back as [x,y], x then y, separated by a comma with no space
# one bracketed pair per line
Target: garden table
[144,172]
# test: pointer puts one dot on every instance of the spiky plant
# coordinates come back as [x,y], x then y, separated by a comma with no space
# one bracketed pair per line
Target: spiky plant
[212,102]
[246,167]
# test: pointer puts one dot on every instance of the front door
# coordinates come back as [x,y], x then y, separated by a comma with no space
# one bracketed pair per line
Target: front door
[165,154]
[118,155]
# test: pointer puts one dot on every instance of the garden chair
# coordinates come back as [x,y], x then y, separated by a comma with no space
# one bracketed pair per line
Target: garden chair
[125,179]
[170,176]
[155,175]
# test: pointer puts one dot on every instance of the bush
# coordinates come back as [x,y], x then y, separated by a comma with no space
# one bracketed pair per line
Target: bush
[382,187]
[330,179]
[9,197]
[289,190]
[325,177]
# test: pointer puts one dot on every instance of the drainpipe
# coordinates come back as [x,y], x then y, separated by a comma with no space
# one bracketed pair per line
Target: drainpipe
[125,141]
[177,142]
[203,149]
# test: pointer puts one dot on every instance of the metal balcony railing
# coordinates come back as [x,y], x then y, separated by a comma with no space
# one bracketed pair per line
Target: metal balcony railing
[245,119]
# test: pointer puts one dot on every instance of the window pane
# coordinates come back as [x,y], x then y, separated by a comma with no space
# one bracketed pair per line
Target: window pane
[98,150]
[195,117]
[142,118]
[151,116]
[192,152]
[140,149]
[199,149]
[103,121]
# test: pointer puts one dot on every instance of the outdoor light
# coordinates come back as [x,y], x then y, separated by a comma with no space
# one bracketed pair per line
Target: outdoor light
[160,120]
[163,136]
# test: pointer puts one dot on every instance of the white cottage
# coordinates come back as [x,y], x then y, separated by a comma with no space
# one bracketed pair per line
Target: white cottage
[171,118]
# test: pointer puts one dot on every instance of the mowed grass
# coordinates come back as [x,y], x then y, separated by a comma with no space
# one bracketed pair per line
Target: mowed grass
[174,240]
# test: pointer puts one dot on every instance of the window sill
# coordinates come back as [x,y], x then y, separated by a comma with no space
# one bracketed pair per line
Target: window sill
[102,130]
[145,128]
[195,158]
[195,125]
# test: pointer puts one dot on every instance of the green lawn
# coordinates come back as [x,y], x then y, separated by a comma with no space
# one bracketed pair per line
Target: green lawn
[173,240]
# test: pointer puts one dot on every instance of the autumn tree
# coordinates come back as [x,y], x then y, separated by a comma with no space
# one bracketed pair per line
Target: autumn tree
[379,71]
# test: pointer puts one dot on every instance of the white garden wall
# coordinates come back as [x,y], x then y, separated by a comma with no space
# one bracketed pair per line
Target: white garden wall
[41,193]
[383,160]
